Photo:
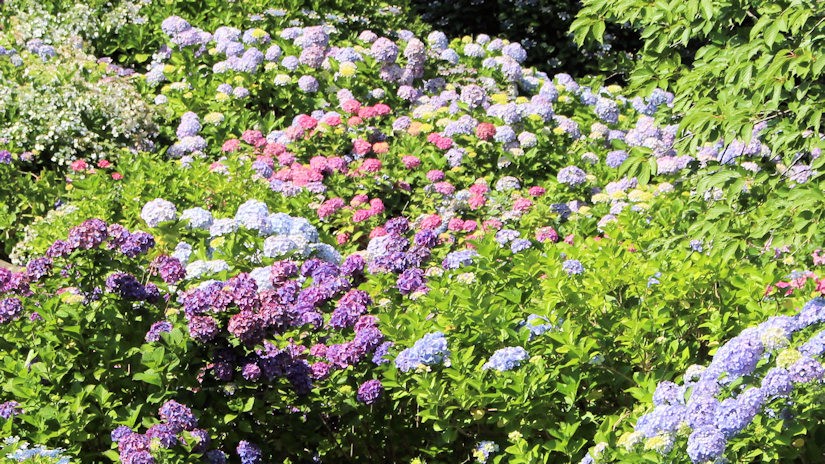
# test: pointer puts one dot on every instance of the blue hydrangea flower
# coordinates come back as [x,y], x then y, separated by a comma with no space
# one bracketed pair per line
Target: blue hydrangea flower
[506,359]
[458,259]
[430,350]
[706,444]
[572,267]
[254,214]
[198,218]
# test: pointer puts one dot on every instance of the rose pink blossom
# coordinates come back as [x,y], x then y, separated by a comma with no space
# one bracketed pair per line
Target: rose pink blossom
[377,206]
[444,188]
[382,109]
[342,238]
[522,204]
[485,131]
[536,191]
[252,136]
[351,106]
[435,175]
[544,234]
[286,159]
[476,202]
[455,225]
[379,231]
[231,145]
[411,162]
[371,165]
[361,215]
[361,147]
[307,122]
[431,222]
[358,200]
[367,112]
[492,224]
[79,165]
[479,189]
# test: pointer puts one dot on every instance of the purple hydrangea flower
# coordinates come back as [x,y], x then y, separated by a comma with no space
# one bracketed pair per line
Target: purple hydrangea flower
[248,452]
[572,267]
[370,391]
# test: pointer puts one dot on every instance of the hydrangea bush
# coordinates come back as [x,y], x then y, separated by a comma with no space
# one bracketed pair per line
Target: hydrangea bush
[388,245]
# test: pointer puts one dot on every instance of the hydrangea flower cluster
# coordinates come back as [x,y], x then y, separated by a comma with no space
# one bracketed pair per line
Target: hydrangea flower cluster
[713,414]
[178,426]
[506,359]
[429,350]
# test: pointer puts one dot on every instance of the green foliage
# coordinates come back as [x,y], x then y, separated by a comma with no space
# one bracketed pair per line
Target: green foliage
[732,64]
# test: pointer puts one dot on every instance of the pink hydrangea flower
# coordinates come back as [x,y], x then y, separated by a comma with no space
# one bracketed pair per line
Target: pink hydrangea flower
[361,147]
[455,225]
[479,189]
[435,175]
[536,191]
[485,131]
[444,188]
[522,204]
[431,222]
[361,215]
[351,106]
[358,200]
[379,231]
[286,159]
[492,224]
[371,165]
[476,201]
[231,145]
[382,109]
[411,162]
[377,206]
[544,234]
[79,165]
[307,122]
[252,136]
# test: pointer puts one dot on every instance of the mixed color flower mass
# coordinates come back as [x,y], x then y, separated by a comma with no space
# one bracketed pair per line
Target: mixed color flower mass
[294,236]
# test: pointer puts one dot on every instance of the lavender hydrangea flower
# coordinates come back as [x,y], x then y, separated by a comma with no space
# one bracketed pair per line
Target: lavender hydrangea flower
[571,176]
[158,211]
[572,267]
[458,259]
[615,158]
[384,50]
[189,125]
[308,84]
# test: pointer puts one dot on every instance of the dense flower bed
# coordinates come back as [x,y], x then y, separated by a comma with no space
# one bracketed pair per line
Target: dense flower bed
[320,242]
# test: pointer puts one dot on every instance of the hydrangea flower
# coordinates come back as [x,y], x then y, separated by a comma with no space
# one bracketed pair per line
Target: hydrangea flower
[158,211]
[430,350]
[572,267]
[506,359]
